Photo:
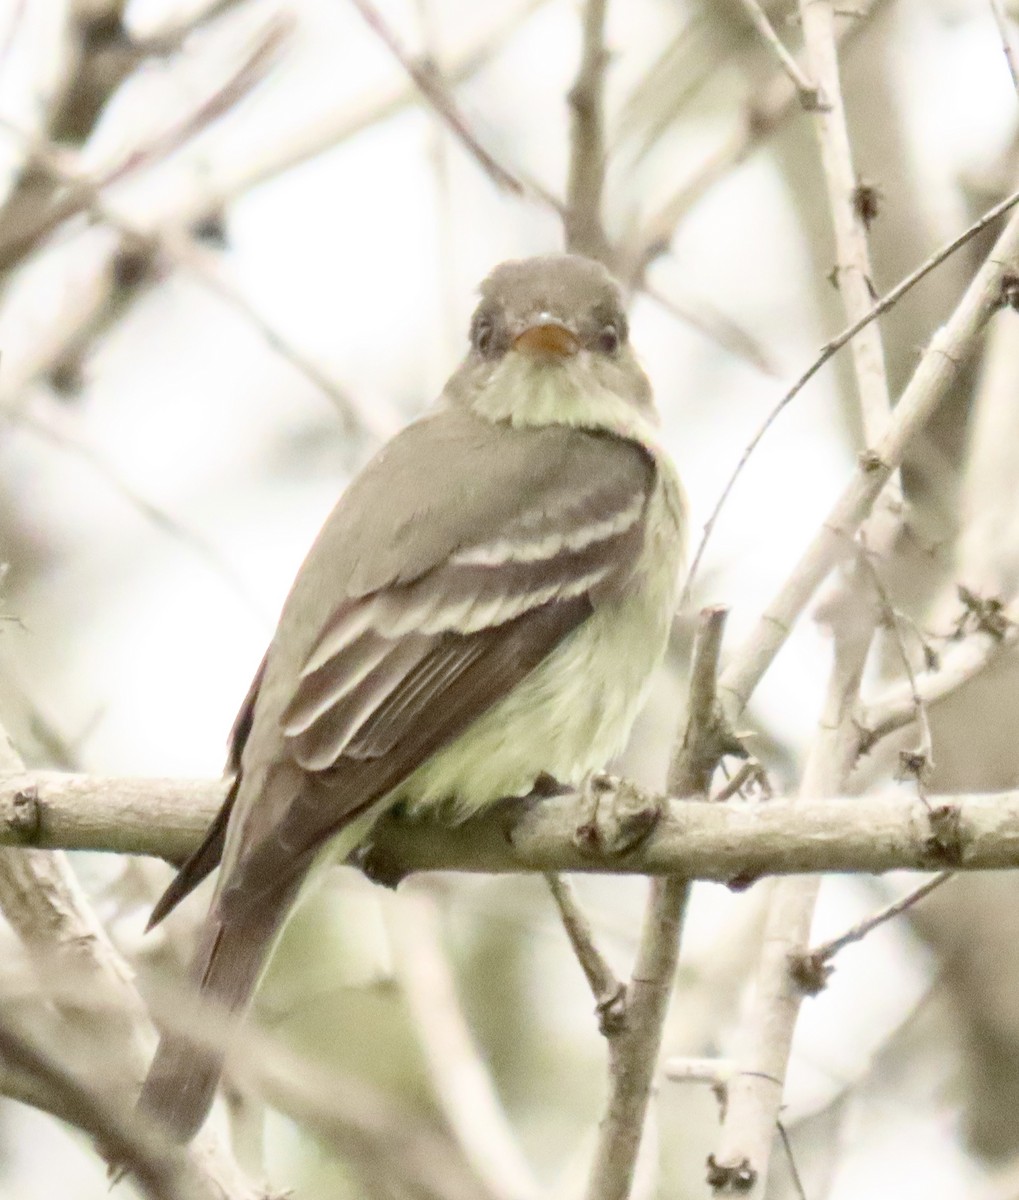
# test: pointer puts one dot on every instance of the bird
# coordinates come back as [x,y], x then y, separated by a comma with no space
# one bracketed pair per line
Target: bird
[482,610]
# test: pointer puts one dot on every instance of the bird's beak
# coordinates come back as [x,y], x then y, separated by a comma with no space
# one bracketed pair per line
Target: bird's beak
[547,339]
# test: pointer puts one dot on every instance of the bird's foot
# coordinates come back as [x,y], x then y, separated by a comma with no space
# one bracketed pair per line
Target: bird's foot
[616,816]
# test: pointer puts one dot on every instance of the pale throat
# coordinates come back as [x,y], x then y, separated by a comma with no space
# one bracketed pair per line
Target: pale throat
[581,391]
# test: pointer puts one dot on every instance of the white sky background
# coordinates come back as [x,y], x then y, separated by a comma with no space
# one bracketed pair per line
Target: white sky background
[369,265]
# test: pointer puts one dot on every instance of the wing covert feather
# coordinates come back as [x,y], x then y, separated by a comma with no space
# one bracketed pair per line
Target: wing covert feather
[427,597]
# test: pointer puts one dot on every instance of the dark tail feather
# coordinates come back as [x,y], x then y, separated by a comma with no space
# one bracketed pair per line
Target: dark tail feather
[203,862]
[182,1079]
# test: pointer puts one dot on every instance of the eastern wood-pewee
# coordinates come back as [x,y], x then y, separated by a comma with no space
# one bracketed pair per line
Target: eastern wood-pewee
[484,606]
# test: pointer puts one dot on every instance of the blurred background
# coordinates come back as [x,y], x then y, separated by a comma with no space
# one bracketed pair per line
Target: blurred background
[236,252]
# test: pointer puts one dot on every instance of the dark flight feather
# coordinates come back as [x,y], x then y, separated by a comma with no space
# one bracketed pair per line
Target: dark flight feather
[408,621]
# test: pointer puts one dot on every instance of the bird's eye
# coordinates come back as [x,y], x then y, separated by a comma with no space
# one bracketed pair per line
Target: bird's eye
[608,339]
[484,335]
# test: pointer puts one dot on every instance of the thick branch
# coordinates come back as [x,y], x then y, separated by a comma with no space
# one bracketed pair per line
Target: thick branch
[41,898]
[732,842]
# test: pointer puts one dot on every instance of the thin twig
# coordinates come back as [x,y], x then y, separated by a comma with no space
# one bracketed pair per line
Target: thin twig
[748,771]
[463,1084]
[924,760]
[608,989]
[957,665]
[438,96]
[1001,19]
[585,233]
[717,1073]
[808,92]
[831,348]
[160,1170]
[850,217]
[953,342]
[156,516]
[700,314]
[787,1145]
[633,1049]
[256,64]
[755,1095]
[775,103]
[184,253]
[827,950]
[336,125]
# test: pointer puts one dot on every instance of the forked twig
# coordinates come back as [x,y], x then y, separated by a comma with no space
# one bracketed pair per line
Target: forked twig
[633,1049]
[830,349]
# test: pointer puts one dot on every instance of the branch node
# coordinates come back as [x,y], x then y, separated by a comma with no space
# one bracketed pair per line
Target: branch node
[867,739]
[736,1178]
[987,614]
[945,844]
[812,99]
[611,1012]
[809,972]
[134,263]
[1010,290]
[867,199]
[870,462]
[26,815]
[914,764]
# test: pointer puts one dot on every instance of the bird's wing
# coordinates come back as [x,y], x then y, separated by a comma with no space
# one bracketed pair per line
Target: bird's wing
[445,593]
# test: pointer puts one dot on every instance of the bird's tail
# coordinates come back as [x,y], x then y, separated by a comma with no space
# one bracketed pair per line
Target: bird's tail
[181,1083]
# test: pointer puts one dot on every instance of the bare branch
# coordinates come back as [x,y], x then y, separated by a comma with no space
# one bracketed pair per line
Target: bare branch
[463,1085]
[184,253]
[709,321]
[774,104]
[634,1047]
[263,54]
[951,345]
[43,901]
[925,755]
[438,96]
[336,124]
[735,842]
[957,665]
[755,1094]
[826,951]
[160,1170]
[830,349]
[808,92]
[608,990]
[853,271]
[1008,43]
[585,233]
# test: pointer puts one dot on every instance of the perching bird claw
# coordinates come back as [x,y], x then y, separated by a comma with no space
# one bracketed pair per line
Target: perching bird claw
[616,815]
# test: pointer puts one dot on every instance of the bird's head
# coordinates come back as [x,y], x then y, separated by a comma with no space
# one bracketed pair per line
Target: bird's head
[549,345]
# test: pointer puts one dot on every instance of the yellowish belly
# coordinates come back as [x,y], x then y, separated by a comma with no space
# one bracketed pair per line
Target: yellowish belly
[574,712]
